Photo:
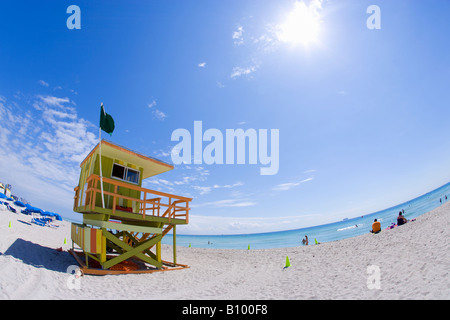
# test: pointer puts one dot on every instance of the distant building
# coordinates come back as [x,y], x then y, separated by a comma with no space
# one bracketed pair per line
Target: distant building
[5,189]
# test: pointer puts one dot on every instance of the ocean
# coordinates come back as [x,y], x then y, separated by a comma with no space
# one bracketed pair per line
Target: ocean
[322,233]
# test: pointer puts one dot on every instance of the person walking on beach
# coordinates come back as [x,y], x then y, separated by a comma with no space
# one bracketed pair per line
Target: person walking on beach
[376,226]
[401,219]
[305,241]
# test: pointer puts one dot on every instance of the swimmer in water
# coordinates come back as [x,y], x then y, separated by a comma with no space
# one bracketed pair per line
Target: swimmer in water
[305,241]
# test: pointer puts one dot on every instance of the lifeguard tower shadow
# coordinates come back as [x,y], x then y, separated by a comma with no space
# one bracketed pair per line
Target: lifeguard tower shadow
[39,256]
[123,223]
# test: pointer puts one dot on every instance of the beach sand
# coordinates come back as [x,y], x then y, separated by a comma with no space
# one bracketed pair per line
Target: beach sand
[410,262]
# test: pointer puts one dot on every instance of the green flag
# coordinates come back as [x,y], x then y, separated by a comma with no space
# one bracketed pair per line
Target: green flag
[106,121]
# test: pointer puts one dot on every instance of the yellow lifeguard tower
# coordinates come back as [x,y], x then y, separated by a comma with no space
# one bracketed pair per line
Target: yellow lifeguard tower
[123,222]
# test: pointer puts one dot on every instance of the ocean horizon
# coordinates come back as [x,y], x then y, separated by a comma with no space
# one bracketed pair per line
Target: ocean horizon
[328,232]
[338,230]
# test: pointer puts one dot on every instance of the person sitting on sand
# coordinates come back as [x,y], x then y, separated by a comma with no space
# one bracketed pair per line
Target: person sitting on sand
[305,241]
[376,226]
[401,219]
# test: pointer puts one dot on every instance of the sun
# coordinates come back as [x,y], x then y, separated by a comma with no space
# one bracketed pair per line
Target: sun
[301,25]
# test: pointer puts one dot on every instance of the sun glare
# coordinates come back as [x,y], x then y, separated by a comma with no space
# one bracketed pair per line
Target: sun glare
[302,24]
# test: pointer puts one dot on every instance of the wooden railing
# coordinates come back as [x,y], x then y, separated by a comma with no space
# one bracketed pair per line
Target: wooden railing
[163,205]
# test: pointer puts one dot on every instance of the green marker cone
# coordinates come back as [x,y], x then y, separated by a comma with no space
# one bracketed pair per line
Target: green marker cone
[288,263]
[9,225]
[316,241]
[248,247]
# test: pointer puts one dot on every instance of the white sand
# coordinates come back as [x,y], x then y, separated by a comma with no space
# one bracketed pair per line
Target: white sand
[413,261]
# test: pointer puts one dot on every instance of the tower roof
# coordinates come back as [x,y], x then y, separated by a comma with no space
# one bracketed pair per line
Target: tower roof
[151,166]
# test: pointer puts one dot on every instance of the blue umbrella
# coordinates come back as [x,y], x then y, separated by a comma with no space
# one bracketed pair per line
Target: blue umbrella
[19,203]
[2,196]
[52,214]
[31,209]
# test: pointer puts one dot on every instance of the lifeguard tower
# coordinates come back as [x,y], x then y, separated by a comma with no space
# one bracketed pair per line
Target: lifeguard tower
[119,231]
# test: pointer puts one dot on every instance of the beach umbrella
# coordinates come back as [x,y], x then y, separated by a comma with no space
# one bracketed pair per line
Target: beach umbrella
[31,209]
[52,214]
[19,203]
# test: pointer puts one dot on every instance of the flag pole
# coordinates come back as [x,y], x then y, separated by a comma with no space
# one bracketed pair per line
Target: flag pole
[100,159]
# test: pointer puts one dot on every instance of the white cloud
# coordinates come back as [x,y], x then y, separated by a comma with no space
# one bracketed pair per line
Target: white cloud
[42,148]
[184,185]
[159,115]
[207,189]
[201,171]
[227,203]
[199,174]
[238,36]
[264,39]
[162,153]
[202,64]
[54,101]
[43,83]
[240,71]
[161,182]
[152,104]
[237,184]
[202,190]
[290,185]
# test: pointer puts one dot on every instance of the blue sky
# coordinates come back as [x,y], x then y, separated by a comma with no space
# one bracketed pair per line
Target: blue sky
[362,114]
